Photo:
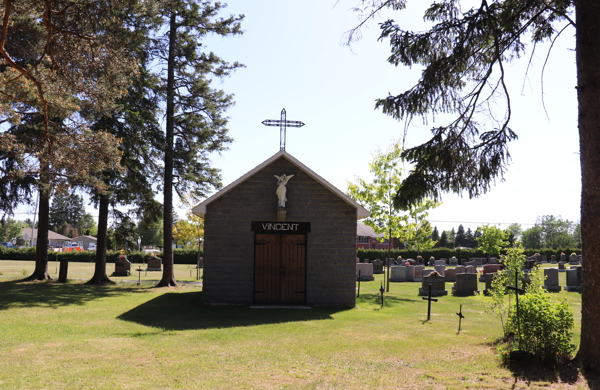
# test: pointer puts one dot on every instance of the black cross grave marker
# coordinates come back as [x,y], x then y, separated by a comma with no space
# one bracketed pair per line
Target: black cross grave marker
[518,291]
[428,298]
[283,123]
[460,316]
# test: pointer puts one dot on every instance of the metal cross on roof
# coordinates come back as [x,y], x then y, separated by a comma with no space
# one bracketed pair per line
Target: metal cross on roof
[283,123]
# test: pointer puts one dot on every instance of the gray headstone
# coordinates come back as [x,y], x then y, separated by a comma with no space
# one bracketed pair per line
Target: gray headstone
[398,273]
[460,269]
[440,262]
[441,269]
[438,286]
[551,279]
[470,269]
[466,284]
[573,279]
[410,273]
[377,266]
[366,271]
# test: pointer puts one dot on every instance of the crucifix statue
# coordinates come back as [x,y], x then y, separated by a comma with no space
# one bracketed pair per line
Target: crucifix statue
[283,123]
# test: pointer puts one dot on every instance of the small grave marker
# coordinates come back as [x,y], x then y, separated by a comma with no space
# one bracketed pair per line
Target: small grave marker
[460,316]
[518,291]
[429,299]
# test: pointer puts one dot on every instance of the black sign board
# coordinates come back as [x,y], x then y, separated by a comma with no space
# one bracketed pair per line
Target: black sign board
[268,227]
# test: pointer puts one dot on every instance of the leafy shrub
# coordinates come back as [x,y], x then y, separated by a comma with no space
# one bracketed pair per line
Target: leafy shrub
[545,327]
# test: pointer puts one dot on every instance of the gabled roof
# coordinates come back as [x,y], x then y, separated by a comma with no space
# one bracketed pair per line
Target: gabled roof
[366,231]
[84,236]
[51,235]
[361,212]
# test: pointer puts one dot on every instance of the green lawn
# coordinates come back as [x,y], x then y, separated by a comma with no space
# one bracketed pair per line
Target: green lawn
[71,336]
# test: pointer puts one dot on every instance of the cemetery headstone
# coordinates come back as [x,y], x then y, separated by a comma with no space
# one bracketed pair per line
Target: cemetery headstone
[553,259]
[366,271]
[154,263]
[487,279]
[551,280]
[470,269]
[427,272]
[489,269]
[450,275]
[529,264]
[573,279]
[438,285]
[544,258]
[122,267]
[440,262]
[377,266]
[460,269]
[398,273]
[573,260]
[410,273]
[561,266]
[419,273]
[453,261]
[466,285]
[441,269]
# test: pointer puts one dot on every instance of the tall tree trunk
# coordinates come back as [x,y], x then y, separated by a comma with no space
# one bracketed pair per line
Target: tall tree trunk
[41,248]
[588,94]
[168,278]
[100,277]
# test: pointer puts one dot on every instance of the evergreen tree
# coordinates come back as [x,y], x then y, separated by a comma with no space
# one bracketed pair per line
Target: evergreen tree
[435,234]
[195,122]
[66,209]
[443,242]
[478,233]
[460,240]
[469,239]
[465,55]
[77,59]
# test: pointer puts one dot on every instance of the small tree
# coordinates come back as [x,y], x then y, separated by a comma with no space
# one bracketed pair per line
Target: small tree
[492,240]
[378,196]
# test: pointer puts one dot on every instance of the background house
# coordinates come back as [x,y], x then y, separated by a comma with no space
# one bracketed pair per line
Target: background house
[84,241]
[366,238]
[55,240]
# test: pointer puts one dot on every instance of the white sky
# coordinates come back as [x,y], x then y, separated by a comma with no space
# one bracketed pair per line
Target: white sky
[294,60]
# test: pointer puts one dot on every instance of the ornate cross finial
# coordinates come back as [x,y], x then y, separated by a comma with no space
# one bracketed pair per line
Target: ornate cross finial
[283,123]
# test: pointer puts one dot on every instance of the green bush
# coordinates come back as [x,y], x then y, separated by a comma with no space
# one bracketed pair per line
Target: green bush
[546,325]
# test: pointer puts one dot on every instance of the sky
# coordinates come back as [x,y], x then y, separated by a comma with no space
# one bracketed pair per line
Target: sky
[295,59]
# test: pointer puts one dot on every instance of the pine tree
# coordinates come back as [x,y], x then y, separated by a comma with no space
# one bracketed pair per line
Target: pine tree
[460,240]
[195,122]
[465,56]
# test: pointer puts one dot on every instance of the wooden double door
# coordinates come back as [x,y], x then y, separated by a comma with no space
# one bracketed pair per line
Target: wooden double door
[280,269]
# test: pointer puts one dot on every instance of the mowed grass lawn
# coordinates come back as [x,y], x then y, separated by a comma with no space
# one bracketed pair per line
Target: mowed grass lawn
[72,336]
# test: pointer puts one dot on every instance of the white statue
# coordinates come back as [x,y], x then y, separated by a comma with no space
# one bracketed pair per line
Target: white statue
[281,190]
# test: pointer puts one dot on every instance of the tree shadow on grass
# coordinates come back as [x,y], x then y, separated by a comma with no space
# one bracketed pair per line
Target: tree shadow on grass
[15,294]
[185,311]
[530,369]
[387,300]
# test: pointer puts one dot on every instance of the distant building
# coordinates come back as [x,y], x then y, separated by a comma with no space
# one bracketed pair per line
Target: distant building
[54,239]
[84,241]
[366,238]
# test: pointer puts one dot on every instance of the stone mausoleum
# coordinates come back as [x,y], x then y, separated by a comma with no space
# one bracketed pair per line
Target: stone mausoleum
[280,235]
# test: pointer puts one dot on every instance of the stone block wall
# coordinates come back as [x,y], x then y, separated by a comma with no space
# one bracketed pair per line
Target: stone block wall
[229,242]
